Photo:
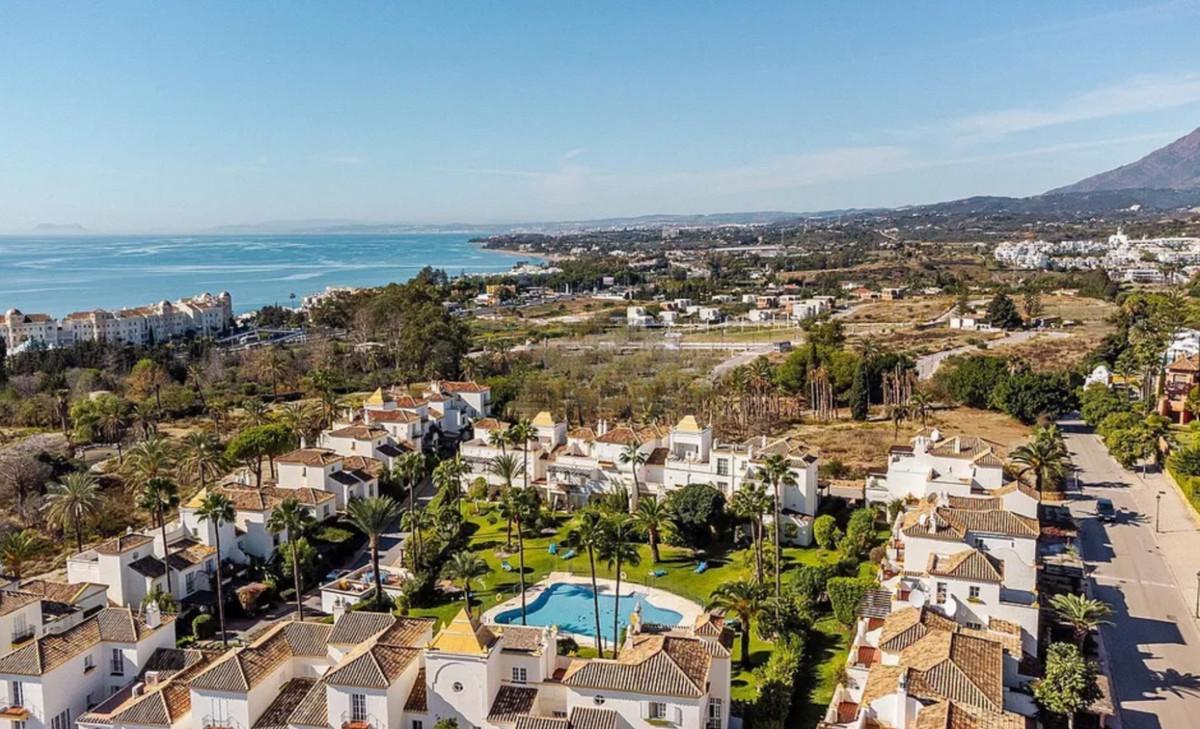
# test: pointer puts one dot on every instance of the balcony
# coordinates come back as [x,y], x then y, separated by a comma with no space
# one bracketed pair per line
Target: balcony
[358,720]
[14,713]
[23,635]
[211,722]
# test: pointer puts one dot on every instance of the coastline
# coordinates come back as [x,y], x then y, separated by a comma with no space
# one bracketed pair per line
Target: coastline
[547,257]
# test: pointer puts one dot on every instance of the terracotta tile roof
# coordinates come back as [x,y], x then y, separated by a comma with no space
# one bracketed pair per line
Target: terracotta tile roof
[359,626]
[584,434]
[307,639]
[952,715]
[1185,364]
[123,543]
[418,699]
[489,424]
[657,457]
[962,446]
[375,667]
[392,416]
[908,625]
[244,668]
[164,703]
[521,640]
[110,625]
[970,503]
[585,717]
[311,711]
[620,435]
[968,564]
[408,632]
[708,625]
[541,722]
[11,600]
[875,604]
[358,432]
[62,592]
[469,386]
[365,467]
[512,702]
[958,667]
[1021,486]
[309,457]
[654,664]
[996,521]
[928,523]
[408,401]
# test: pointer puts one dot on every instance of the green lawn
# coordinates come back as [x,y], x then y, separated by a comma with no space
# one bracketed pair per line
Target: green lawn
[680,579]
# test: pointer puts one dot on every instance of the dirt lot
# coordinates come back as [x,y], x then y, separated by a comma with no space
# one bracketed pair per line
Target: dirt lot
[904,311]
[1045,354]
[864,445]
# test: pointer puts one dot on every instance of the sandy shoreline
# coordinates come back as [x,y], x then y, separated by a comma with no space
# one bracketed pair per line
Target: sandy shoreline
[551,257]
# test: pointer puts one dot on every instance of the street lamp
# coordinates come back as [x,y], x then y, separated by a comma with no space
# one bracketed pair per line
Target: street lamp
[1157,510]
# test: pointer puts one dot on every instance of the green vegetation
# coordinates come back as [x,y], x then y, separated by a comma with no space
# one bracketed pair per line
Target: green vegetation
[986,381]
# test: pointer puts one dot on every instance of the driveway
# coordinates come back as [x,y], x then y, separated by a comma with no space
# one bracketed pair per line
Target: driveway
[1147,574]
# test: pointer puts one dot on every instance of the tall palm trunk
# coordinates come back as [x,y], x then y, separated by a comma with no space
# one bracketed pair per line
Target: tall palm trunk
[521,561]
[778,554]
[617,610]
[162,523]
[375,568]
[595,602]
[296,580]
[220,588]
[756,535]
[652,534]
[412,524]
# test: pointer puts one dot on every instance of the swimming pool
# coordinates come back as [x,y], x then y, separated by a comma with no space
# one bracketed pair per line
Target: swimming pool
[570,608]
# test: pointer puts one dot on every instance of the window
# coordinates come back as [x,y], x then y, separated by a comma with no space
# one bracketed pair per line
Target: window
[117,664]
[657,710]
[189,585]
[458,687]
[417,724]
[16,693]
[714,714]
[62,721]
[598,700]
[520,675]
[88,663]
[974,592]
[358,707]
[941,593]
[722,466]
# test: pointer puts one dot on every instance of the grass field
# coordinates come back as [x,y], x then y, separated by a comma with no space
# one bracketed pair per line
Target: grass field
[680,579]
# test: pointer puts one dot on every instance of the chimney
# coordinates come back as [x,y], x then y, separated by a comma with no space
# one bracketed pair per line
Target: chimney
[900,720]
[153,615]
[339,609]
[303,441]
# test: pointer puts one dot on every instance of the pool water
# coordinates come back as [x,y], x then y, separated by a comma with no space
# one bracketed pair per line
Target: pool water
[570,608]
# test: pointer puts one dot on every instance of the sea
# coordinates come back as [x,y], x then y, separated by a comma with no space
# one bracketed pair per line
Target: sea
[59,275]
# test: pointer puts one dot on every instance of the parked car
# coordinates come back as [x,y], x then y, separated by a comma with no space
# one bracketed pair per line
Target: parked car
[1105,510]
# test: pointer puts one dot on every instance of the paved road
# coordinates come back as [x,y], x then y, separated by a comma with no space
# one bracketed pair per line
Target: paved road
[1148,578]
[929,364]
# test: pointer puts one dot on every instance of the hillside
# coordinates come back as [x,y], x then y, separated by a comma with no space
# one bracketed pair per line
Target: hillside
[1173,167]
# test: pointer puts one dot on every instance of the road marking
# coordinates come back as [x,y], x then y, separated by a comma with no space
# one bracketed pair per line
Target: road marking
[1105,579]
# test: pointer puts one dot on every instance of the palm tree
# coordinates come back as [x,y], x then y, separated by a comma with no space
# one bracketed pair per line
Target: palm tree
[301,420]
[750,502]
[498,438]
[778,472]
[465,566]
[920,404]
[745,599]
[114,419]
[197,376]
[18,548]
[256,411]
[202,456]
[448,476]
[1083,613]
[897,413]
[292,517]
[521,505]
[273,366]
[1046,460]
[150,459]
[217,509]
[374,517]
[654,518]
[588,534]
[69,501]
[520,434]
[159,496]
[410,469]
[634,458]
[619,548]
[508,468]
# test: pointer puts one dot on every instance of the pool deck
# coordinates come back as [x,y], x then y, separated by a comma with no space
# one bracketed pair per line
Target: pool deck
[657,597]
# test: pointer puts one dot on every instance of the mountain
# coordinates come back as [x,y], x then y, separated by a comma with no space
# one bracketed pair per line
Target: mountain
[59,228]
[1173,167]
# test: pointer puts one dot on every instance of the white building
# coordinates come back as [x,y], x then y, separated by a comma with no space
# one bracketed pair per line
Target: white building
[203,315]
[934,465]
[637,316]
[131,566]
[376,671]
[48,683]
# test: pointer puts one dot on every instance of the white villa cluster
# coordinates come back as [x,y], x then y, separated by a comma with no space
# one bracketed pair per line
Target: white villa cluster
[1126,259]
[203,315]
[945,639]
[571,466]
[364,671]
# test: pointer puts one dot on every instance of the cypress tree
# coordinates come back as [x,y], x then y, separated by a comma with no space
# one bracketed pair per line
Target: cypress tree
[860,391]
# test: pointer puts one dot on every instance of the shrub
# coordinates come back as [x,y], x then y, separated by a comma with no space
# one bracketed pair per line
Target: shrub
[777,686]
[1186,461]
[202,626]
[825,531]
[1097,402]
[845,593]
[699,512]
[809,581]
[1029,395]
[333,535]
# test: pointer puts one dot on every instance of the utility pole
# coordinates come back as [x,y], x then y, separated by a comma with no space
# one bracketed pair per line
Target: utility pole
[1157,510]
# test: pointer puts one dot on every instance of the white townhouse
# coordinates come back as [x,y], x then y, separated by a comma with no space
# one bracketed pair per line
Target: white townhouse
[933,465]
[480,454]
[132,565]
[65,605]
[48,683]
[20,618]
[377,671]
[345,476]
[366,441]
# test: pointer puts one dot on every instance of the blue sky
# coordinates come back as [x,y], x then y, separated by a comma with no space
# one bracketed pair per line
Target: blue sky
[175,116]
